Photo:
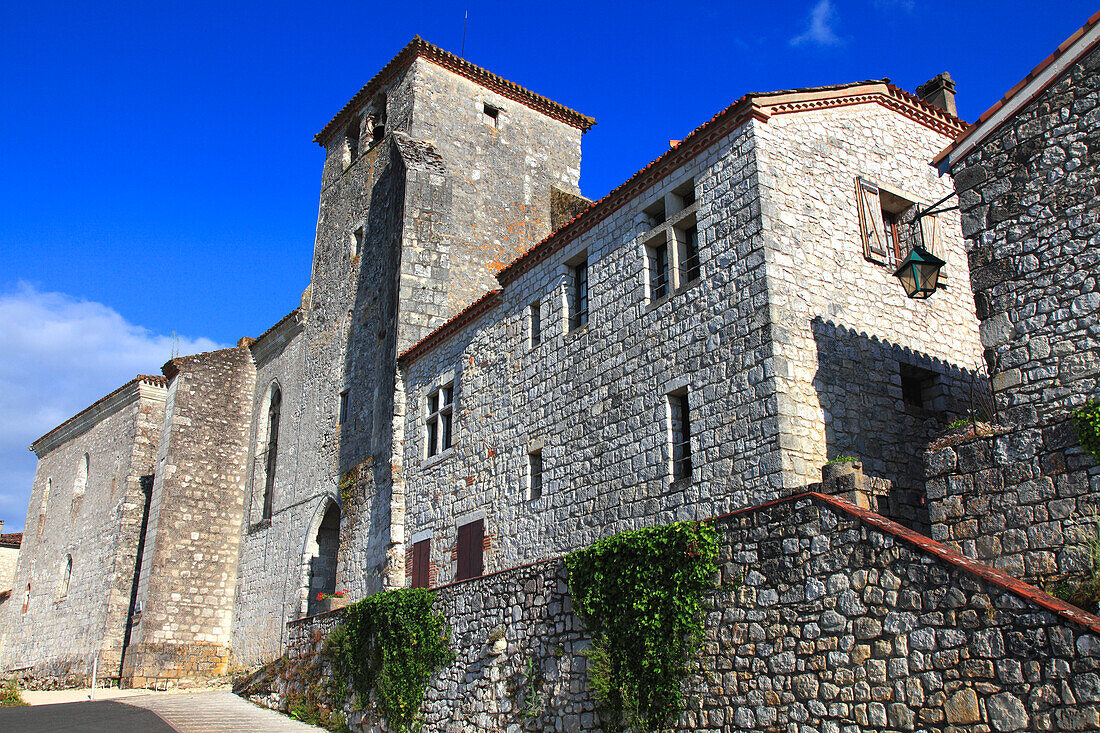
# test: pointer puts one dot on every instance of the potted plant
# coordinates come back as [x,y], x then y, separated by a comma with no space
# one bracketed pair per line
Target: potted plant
[331,601]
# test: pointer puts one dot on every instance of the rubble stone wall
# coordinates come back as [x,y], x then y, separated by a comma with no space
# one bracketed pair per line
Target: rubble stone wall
[825,618]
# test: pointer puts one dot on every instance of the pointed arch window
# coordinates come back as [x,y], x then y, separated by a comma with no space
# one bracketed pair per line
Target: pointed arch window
[273,412]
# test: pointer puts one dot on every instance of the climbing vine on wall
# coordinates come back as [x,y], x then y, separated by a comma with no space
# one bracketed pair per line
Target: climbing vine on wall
[389,647]
[1088,427]
[640,594]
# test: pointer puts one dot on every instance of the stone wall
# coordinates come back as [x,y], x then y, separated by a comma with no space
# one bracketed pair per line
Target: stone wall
[1034,231]
[593,400]
[826,617]
[96,520]
[189,565]
[9,558]
[843,327]
[1024,501]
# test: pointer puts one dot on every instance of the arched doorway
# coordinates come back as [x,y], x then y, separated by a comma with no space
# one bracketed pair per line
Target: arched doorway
[323,547]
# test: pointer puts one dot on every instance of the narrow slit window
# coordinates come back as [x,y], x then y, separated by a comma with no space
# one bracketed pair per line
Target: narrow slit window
[342,415]
[67,574]
[438,423]
[534,474]
[357,242]
[579,301]
[535,320]
[274,410]
[680,432]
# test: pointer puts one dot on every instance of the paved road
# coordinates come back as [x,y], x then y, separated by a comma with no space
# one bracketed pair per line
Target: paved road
[81,717]
[201,712]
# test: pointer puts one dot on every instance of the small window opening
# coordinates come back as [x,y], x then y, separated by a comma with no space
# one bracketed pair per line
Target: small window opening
[535,322]
[357,242]
[81,482]
[471,540]
[46,495]
[578,310]
[921,388]
[342,415]
[491,115]
[534,474]
[688,239]
[378,119]
[655,212]
[685,193]
[440,412]
[272,450]
[67,574]
[26,598]
[680,433]
[657,254]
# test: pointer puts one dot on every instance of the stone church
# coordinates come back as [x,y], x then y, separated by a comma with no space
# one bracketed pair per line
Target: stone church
[488,369]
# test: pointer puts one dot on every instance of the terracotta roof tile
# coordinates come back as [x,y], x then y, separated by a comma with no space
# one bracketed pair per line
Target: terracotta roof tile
[467,314]
[12,539]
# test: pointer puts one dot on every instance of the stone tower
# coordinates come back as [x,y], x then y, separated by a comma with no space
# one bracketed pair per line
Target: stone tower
[437,174]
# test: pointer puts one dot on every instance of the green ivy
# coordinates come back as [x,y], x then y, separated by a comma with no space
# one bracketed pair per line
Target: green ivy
[640,594]
[1088,427]
[389,647]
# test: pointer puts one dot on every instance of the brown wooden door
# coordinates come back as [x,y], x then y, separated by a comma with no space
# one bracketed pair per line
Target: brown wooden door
[421,558]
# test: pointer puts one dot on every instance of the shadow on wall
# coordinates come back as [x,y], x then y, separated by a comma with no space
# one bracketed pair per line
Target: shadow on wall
[883,403]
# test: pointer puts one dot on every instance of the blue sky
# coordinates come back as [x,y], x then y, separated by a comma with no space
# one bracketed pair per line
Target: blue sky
[158,183]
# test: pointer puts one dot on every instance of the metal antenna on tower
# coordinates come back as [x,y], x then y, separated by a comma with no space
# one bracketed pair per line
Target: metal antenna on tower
[462,53]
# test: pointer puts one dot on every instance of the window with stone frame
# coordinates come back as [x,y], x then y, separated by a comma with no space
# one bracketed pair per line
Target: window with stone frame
[46,495]
[534,322]
[657,259]
[342,410]
[83,467]
[490,115]
[437,423]
[351,140]
[534,475]
[672,242]
[578,292]
[886,220]
[679,435]
[271,450]
[357,238]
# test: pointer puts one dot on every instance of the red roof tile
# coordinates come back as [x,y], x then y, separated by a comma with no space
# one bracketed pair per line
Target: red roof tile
[467,314]
[12,539]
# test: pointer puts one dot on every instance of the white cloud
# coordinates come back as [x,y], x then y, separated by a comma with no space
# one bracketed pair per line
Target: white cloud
[820,31]
[58,355]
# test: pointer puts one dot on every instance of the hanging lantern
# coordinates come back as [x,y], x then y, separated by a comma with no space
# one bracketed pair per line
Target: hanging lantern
[919,273]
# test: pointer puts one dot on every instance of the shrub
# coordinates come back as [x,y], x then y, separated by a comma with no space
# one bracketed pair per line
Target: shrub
[1088,427]
[640,594]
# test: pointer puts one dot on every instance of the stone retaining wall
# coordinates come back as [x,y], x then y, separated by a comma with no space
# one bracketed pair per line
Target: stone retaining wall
[826,617]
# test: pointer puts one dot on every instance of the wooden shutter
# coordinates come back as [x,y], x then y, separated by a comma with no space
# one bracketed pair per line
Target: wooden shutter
[870,221]
[930,234]
[470,538]
[420,561]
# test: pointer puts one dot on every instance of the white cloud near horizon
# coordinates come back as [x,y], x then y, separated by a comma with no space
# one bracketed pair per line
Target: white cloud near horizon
[821,27]
[59,354]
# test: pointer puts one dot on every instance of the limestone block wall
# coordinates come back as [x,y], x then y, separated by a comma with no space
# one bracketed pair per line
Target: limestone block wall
[825,618]
[1034,248]
[842,325]
[9,558]
[1024,501]
[94,517]
[189,567]
[594,400]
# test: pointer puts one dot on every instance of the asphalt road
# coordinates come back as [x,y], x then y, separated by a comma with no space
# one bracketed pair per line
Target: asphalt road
[82,717]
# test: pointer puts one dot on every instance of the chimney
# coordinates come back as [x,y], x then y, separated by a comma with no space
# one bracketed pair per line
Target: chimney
[939,91]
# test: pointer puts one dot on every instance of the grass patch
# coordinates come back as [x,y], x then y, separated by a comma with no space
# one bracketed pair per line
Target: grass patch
[9,695]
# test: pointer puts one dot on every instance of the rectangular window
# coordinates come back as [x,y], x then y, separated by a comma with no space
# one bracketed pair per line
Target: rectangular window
[886,224]
[421,561]
[685,194]
[440,411]
[578,306]
[680,432]
[535,315]
[491,115]
[921,388]
[534,474]
[689,254]
[471,538]
[342,415]
[655,212]
[657,253]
